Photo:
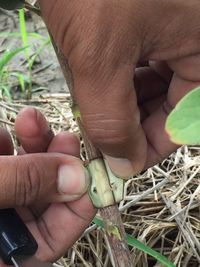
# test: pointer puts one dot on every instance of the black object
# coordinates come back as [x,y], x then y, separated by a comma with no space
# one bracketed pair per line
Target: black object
[15,238]
[12,4]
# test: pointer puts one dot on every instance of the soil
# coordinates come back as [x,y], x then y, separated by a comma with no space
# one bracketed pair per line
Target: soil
[46,72]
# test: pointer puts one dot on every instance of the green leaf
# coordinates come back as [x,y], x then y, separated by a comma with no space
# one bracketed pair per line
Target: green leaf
[9,55]
[183,123]
[18,34]
[24,35]
[6,92]
[133,242]
[12,4]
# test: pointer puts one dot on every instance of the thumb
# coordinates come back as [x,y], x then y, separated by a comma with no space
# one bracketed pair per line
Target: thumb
[41,177]
[101,52]
[111,119]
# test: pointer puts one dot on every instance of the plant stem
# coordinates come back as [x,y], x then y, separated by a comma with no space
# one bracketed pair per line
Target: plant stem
[115,233]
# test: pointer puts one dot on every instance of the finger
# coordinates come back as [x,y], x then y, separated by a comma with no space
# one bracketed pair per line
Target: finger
[61,220]
[2,264]
[65,142]
[6,145]
[111,118]
[36,136]
[33,131]
[186,78]
[187,67]
[159,144]
[44,178]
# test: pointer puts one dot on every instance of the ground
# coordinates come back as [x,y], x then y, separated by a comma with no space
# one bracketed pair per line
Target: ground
[161,205]
[45,72]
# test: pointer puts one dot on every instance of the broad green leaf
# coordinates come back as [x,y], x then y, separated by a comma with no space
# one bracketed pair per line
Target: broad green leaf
[12,4]
[183,123]
[133,242]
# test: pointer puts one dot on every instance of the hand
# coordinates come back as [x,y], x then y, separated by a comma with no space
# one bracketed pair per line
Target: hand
[30,183]
[104,41]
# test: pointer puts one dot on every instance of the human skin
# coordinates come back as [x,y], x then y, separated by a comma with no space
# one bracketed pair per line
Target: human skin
[55,226]
[123,106]
[104,43]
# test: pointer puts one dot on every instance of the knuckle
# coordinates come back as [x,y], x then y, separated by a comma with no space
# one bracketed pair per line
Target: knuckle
[27,182]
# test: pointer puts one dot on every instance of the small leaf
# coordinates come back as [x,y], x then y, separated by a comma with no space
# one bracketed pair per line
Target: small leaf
[12,4]
[183,123]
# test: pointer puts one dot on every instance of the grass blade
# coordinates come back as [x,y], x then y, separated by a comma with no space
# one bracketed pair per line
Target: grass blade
[24,35]
[23,80]
[39,50]
[23,30]
[18,34]
[5,91]
[9,55]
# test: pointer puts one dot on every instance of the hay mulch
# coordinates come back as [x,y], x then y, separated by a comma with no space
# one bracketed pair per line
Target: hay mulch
[161,207]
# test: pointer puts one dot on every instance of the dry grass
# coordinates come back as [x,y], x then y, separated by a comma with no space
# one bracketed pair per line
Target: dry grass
[160,208]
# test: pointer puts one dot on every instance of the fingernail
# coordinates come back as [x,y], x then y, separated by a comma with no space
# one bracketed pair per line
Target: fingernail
[120,166]
[72,180]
